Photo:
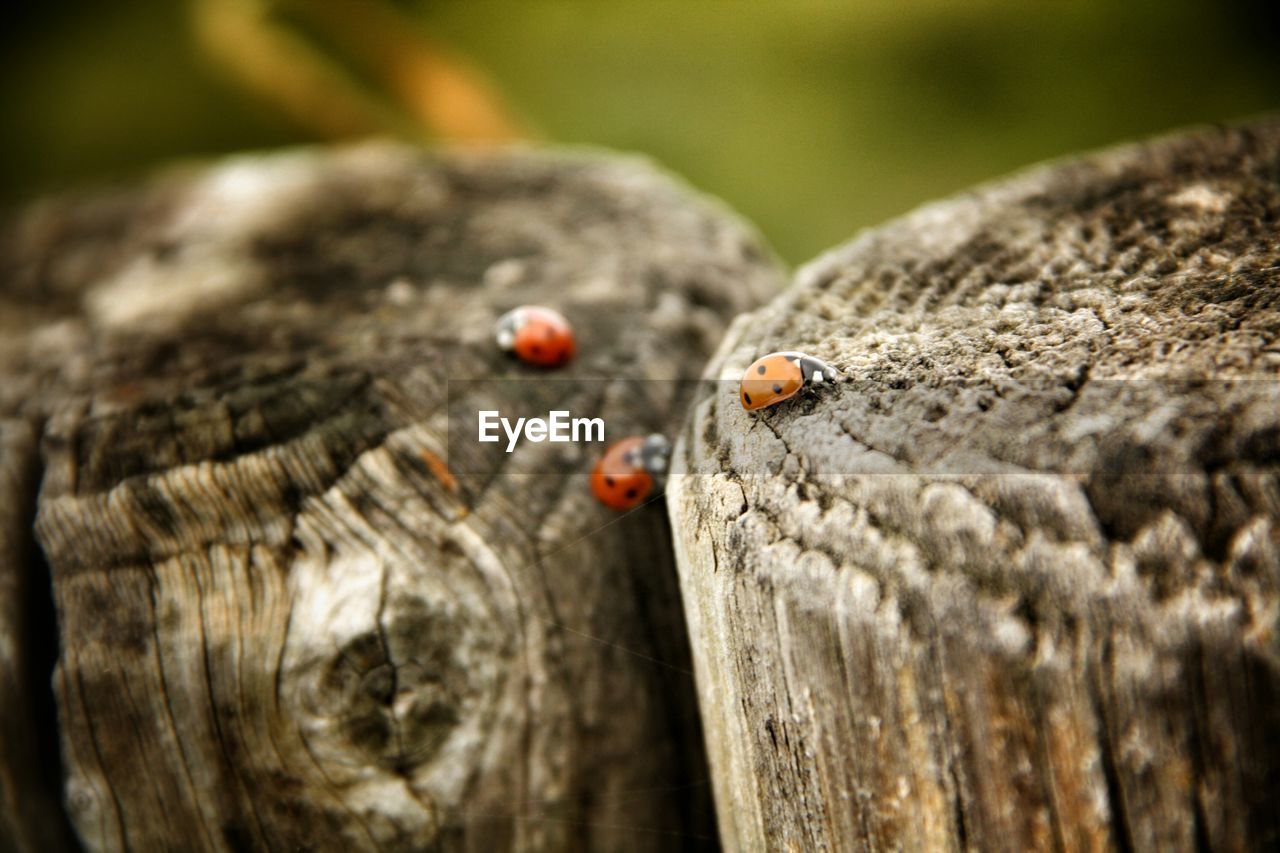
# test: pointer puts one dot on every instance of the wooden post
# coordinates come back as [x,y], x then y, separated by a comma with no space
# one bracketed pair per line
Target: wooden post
[1015,583]
[287,619]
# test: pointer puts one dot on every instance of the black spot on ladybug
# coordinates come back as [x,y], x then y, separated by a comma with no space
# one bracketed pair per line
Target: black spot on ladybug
[760,370]
[631,493]
[777,389]
[746,397]
[535,349]
[608,481]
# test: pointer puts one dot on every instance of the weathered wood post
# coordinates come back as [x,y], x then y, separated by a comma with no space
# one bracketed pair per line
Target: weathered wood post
[285,621]
[1015,584]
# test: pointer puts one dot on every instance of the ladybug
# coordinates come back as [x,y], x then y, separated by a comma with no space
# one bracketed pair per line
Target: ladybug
[536,335]
[780,376]
[629,471]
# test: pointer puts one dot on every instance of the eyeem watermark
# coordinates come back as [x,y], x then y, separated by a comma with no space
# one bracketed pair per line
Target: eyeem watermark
[1102,430]
[557,426]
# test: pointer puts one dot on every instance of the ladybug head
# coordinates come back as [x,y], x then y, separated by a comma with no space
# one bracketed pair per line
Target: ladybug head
[504,331]
[653,455]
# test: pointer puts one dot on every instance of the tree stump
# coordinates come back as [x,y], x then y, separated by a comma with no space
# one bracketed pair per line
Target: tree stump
[1013,583]
[287,621]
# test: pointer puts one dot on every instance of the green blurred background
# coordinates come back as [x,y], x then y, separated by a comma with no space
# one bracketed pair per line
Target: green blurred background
[813,118]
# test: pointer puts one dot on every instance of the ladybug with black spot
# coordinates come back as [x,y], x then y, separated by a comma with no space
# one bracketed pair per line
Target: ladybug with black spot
[779,376]
[630,470]
[536,335]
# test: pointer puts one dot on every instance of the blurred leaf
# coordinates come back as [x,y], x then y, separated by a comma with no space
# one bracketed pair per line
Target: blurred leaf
[345,68]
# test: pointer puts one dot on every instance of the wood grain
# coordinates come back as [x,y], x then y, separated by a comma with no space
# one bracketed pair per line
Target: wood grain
[1015,583]
[287,619]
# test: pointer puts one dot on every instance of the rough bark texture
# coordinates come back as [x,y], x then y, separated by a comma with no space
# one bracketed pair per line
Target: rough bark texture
[1014,584]
[285,622]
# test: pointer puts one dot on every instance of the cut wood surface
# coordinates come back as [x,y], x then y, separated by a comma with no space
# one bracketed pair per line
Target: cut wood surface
[285,621]
[1013,584]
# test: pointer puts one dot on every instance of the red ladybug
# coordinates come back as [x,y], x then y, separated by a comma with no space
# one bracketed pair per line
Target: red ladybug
[780,376]
[629,471]
[536,335]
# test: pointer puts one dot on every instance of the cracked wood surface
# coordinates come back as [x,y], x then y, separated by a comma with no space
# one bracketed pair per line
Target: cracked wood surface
[1014,584]
[285,622]
[30,818]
